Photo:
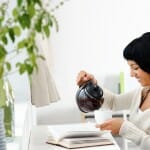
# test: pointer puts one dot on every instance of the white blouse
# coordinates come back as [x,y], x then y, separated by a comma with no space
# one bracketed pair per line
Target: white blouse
[137,128]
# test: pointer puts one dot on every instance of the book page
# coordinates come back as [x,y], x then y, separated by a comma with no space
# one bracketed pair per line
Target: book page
[59,132]
[105,139]
[85,142]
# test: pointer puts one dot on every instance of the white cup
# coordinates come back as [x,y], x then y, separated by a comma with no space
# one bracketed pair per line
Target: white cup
[102,115]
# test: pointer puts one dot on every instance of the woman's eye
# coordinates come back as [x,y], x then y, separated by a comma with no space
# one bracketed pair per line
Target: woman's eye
[135,68]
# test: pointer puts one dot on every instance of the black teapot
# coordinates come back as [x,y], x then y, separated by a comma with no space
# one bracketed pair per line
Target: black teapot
[89,97]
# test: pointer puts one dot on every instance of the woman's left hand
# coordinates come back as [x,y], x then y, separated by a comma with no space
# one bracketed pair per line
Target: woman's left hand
[113,125]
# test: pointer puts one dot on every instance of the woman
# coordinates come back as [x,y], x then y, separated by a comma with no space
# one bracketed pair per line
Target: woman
[137,128]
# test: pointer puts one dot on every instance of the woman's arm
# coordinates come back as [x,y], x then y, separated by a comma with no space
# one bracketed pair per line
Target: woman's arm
[120,101]
[129,131]
[139,137]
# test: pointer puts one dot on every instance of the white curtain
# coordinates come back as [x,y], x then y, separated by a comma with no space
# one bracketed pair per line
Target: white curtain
[43,88]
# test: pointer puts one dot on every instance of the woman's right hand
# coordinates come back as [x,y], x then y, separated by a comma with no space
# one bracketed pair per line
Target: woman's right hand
[83,77]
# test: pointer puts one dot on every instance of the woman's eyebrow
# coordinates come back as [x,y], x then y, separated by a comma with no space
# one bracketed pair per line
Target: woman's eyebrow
[134,65]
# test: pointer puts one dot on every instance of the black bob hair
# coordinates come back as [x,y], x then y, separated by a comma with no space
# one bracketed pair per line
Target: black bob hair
[138,50]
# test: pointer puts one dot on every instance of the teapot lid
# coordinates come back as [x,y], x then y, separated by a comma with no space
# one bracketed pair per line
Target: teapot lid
[93,91]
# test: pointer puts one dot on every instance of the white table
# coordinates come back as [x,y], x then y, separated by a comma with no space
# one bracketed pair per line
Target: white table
[40,133]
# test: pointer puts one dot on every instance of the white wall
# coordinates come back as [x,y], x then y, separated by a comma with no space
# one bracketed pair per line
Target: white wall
[92,36]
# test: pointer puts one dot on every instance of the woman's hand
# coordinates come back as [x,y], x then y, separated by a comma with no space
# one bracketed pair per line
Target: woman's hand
[83,77]
[113,125]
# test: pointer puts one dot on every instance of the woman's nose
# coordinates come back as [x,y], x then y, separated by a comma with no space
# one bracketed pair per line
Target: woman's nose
[132,73]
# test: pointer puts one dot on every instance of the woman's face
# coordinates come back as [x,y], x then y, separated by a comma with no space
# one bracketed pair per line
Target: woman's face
[135,71]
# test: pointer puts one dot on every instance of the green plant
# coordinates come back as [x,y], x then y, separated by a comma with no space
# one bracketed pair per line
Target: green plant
[19,29]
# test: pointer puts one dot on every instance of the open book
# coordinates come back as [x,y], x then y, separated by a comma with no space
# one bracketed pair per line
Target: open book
[78,135]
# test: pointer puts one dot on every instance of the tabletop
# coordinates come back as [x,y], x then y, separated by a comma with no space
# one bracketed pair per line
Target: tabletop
[38,141]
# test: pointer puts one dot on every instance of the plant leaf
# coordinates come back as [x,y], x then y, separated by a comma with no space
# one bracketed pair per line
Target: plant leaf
[29,2]
[22,68]
[22,44]
[17,30]
[46,30]
[24,20]
[38,25]
[19,2]
[1,71]
[1,20]
[3,30]
[3,52]
[50,21]
[30,49]
[11,34]
[18,64]
[4,40]
[15,12]
[29,68]
[8,66]
[31,10]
